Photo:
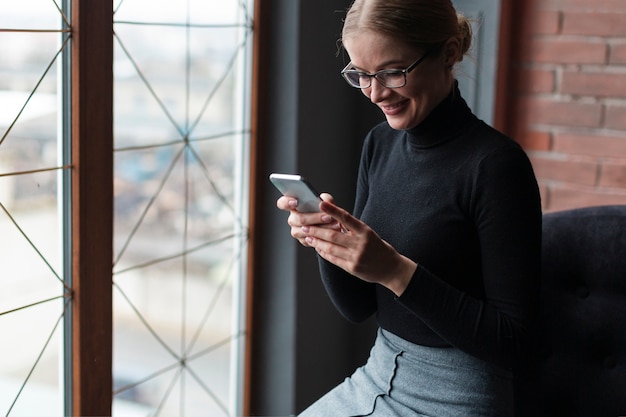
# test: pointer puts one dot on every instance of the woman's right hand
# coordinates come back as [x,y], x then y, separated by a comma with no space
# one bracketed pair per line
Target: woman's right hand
[297,219]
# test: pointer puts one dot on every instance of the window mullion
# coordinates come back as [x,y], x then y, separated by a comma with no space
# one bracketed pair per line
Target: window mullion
[65,193]
[92,206]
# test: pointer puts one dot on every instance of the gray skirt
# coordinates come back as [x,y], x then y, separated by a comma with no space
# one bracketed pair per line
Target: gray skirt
[403,379]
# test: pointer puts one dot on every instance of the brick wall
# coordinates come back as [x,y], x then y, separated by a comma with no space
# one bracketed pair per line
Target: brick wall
[569,98]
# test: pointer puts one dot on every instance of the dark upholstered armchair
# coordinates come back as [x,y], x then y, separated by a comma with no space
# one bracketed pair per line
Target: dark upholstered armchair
[582,354]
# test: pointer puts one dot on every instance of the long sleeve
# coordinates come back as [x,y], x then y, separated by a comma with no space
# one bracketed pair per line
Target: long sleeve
[354,299]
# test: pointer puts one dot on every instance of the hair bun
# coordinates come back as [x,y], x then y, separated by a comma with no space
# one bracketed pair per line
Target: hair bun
[465,35]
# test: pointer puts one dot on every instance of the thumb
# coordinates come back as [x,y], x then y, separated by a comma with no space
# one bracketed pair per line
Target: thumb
[327,197]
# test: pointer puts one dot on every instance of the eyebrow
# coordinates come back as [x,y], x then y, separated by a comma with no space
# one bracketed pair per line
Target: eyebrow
[383,65]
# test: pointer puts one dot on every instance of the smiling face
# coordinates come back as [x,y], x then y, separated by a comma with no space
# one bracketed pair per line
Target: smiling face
[426,85]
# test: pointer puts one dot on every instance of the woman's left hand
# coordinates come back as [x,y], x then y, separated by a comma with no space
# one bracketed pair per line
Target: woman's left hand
[360,251]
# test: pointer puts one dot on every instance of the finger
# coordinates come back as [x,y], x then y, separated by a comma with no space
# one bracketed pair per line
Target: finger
[333,253]
[287,203]
[342,216]
[326,237]
[297,219]
[327,197]
[297,234]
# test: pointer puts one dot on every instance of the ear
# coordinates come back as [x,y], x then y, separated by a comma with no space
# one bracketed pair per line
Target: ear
[451,51]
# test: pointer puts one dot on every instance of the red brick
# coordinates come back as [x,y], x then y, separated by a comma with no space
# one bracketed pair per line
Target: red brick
[616,117]
[597,84]
[595,24]
[562,51]
[536,81]
[573,171]
[543,22]
[535,141]
[590,145]
[563,197]
[583,5]
[560,113]
[617,54]
[613,174]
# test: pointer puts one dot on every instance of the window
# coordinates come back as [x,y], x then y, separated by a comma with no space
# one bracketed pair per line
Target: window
[181,137]
[181,134]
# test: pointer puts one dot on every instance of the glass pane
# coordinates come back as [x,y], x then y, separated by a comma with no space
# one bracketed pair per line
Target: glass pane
[29,14]
[165,90]
[180,138]
[198,12]
[31,264]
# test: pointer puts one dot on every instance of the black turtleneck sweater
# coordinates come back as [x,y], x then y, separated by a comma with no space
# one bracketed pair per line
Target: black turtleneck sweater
[461,200]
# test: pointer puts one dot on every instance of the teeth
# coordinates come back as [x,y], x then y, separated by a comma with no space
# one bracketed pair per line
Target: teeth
[393,106]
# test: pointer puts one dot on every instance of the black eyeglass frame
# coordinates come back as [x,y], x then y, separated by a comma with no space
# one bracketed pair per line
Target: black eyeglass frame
[346,71]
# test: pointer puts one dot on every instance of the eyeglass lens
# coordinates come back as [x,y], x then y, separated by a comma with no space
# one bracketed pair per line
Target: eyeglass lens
[391,79]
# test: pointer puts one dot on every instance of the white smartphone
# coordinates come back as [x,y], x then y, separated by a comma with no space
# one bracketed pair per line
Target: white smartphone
[296,186]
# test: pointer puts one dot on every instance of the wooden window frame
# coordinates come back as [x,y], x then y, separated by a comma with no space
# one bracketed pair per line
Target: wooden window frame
[92,207]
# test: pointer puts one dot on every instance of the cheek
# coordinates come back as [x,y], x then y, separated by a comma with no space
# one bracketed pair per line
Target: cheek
[420,96]
[416,90]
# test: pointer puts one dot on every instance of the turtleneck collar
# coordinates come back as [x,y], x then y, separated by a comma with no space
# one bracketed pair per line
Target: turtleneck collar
[446,121]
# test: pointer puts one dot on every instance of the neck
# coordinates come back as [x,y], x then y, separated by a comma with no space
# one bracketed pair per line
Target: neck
[445,121]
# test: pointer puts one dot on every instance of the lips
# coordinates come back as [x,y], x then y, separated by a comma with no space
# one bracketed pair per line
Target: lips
[393,109]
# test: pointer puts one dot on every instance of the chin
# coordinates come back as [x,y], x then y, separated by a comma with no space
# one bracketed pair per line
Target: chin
[402,124]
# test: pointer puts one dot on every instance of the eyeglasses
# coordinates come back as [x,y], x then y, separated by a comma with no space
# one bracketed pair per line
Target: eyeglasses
[391,78]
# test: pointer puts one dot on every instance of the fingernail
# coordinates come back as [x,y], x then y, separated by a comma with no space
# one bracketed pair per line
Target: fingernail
[293,203]
[326,218]
[308,239]
[305,229]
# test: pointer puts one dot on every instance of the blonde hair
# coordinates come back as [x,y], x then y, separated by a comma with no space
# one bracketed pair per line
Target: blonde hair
[422,24]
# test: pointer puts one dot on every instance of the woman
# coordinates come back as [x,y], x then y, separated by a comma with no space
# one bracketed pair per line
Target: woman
[444,241]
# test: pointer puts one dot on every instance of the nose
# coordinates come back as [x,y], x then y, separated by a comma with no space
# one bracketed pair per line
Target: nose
[376,92]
